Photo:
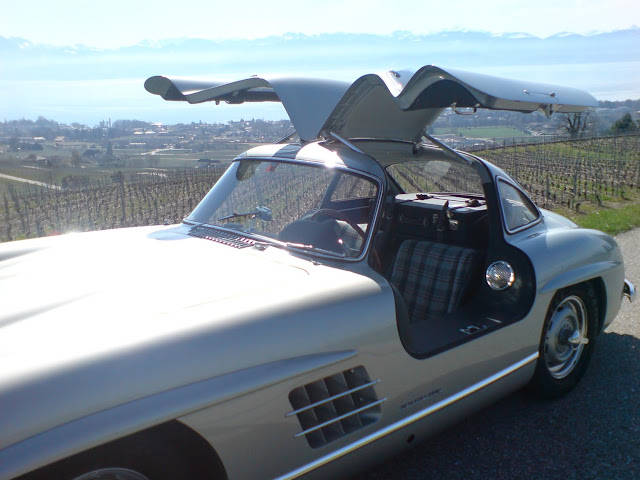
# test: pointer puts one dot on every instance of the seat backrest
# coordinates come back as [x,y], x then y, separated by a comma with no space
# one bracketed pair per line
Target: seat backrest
[432,277]
[307,232]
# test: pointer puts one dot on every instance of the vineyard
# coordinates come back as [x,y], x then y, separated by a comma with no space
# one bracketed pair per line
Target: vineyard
[570,174]
[134,200]
[574,172]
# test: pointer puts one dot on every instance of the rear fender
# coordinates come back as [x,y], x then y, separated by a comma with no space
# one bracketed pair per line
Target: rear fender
[565,257]
[579,275]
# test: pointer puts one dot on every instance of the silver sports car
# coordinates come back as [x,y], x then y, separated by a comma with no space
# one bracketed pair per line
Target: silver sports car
[328,301]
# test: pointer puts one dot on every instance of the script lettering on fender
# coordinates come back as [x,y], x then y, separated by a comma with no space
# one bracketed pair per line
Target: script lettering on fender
[421,398]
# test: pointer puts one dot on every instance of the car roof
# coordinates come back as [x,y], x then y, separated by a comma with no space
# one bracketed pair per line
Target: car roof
[368,156]
[335,155]
[389,105]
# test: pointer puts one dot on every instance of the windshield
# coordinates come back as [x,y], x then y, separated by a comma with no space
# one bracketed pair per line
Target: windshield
[306,206]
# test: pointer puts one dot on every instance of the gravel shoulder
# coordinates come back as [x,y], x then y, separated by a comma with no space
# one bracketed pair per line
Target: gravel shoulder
[593,432]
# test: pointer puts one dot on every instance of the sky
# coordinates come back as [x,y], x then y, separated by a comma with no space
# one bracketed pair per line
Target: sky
[88,88]
[116,23]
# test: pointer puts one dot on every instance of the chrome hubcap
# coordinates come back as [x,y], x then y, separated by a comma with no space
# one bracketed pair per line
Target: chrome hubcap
[112,474]
[566,337]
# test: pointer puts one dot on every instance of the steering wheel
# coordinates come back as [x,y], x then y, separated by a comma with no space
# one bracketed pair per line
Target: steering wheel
[337,215]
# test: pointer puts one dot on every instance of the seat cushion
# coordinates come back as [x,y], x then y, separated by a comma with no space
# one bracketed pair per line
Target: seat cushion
[432,277]
[349,237]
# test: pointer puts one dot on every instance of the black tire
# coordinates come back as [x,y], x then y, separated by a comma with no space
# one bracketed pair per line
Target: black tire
[562,359]
[138,457]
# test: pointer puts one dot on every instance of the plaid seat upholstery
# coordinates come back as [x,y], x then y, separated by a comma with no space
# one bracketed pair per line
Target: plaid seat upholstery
[432,277]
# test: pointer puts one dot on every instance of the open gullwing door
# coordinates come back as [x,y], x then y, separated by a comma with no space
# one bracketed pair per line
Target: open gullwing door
[308,101]
[390,105]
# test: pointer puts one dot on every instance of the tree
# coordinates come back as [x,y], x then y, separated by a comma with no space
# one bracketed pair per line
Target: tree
[75,158]
[624,124]
[576,124]
[108,158]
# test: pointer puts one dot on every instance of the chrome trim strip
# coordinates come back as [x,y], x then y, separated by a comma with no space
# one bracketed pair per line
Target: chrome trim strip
[380,140]
[330,399]
[341,417]
[285,138]
[346,142]
[406,421]
[445,147]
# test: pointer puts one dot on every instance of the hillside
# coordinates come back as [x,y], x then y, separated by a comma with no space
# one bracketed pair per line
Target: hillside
[593,178]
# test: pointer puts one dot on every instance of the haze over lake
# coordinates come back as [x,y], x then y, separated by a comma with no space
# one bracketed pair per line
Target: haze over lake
[80,84]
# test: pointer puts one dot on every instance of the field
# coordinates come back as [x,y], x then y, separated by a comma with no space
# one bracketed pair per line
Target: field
[595,181]
[482,132]
[138,161]
[141,187]
[150,199]
[569,173]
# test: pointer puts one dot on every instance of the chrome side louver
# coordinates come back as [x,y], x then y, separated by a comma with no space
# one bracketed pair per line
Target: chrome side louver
[335,406]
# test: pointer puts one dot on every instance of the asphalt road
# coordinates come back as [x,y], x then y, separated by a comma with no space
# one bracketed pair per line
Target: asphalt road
[592,433]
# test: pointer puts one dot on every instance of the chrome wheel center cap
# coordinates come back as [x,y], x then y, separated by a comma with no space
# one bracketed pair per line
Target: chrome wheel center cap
[566,337]
[577,339]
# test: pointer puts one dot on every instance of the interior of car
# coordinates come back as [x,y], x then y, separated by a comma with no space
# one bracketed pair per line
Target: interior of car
[441,230]
[439,234]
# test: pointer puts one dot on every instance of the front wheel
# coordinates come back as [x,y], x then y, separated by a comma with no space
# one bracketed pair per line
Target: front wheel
[567,342]
[137,457]
[112,474]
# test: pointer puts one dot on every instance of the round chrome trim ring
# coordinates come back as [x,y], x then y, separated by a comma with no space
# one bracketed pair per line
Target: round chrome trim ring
[500,275]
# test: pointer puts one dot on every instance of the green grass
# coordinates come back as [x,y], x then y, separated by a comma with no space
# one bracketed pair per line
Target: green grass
[482,132]
[611,220]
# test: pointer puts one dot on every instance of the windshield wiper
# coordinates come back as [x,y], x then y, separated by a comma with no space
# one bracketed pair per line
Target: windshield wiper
[311,248]
[262,213]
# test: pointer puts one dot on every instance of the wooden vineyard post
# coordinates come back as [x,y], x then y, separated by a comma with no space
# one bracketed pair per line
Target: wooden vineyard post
[7,217]
[118,178]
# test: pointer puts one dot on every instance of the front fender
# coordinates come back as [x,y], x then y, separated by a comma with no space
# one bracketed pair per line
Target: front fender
[122,420]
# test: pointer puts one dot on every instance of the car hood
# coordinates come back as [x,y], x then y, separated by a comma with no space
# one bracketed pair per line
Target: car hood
[98,319]
[150,272]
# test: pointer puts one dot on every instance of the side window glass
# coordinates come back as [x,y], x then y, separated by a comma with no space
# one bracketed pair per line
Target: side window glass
[422,176]
[517,208]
